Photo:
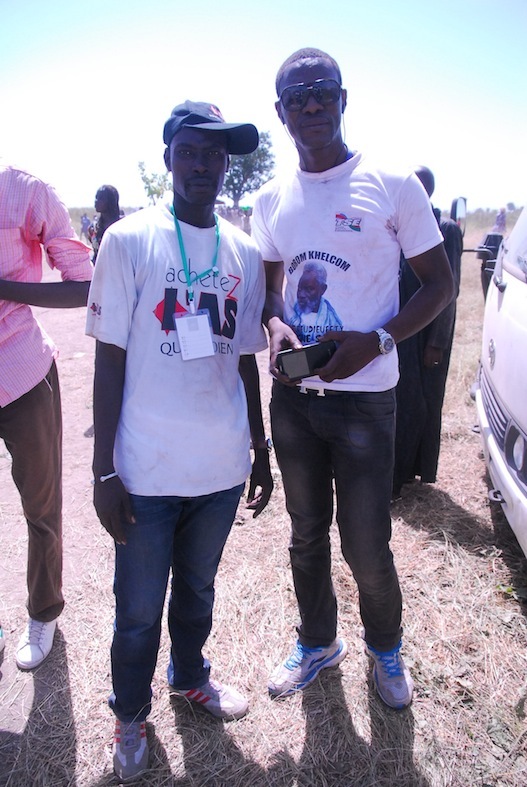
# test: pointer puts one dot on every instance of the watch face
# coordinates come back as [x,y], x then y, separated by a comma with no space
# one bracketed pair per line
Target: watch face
[388,344]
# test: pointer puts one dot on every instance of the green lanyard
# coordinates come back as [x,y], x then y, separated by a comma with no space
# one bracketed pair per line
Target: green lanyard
[197,276]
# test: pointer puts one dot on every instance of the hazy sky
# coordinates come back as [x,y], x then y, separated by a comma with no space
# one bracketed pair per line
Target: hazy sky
[85,88]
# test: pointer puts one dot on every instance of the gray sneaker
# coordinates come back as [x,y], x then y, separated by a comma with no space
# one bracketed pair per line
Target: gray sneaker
[130,750]
[223,701]
[302,667]
[392,679]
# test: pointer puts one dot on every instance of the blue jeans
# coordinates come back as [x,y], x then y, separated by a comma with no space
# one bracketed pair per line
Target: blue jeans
[186,535]
[348,437]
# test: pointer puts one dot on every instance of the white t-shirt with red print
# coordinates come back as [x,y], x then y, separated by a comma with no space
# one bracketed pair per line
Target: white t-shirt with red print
[340,234]
[183,428]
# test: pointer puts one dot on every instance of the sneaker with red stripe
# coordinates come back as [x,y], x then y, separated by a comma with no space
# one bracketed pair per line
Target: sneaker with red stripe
[130,750]
[224,702]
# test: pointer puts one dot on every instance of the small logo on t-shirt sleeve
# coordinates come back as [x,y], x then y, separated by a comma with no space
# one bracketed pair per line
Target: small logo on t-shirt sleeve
[345,224]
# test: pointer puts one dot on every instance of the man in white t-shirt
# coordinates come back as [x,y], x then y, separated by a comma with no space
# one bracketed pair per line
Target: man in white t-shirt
[176,299]
[339,212]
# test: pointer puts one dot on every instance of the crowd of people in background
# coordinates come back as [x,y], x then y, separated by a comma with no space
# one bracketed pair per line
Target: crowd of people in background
[108,211]
[240,217]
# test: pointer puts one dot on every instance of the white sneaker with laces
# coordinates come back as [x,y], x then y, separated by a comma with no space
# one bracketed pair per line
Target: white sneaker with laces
[223,701]
[35,643]
[391,677]
[303,666]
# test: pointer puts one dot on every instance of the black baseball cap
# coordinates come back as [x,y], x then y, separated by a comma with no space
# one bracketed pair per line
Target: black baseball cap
[242,138]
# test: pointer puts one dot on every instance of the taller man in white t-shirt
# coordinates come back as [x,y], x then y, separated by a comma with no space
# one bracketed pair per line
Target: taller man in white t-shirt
[176,298]
[336,210]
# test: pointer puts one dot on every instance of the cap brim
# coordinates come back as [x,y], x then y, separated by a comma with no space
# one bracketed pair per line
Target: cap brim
[242,137]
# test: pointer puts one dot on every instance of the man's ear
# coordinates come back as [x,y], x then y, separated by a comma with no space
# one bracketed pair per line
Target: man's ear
[166,157]
[343,99]
[278,107]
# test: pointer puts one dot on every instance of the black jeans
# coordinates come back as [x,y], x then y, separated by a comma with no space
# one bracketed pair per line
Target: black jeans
[348,437]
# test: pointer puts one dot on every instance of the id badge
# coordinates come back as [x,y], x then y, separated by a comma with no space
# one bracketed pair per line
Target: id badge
[194,333]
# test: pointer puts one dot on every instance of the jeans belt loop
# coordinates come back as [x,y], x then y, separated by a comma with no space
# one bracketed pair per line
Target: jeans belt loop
[304,389]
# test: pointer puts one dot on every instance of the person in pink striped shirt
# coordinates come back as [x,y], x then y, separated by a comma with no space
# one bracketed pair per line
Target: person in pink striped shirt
[33,219]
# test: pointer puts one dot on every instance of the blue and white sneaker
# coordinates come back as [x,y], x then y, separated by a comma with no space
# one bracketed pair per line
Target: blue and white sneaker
[302,667]
[391,676]
[2,639]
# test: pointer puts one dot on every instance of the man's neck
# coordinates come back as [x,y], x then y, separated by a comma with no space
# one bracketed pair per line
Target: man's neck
[325,158]
[197,215]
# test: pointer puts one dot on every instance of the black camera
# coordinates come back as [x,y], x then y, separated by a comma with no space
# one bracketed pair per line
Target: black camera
[302,362]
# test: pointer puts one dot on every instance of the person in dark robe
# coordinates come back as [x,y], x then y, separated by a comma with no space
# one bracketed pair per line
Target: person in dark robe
[107,205]
[423,363]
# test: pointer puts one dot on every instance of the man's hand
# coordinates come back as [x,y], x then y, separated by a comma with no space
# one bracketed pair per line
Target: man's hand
[355,351]
[281,337]
[260,477]
[432,356]
[112,504]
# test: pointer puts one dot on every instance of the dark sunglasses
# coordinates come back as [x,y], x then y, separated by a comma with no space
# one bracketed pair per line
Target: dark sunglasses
[324,91]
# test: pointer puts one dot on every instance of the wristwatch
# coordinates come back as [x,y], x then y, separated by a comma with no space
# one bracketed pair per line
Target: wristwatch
[386,342]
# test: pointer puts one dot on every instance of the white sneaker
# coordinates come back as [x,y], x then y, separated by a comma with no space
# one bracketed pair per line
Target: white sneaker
[391,677]
[223,701]
[302,667]
[35,643]
[2,639]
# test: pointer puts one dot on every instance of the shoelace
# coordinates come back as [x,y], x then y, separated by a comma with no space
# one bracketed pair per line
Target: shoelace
[391,664]
[298,655]
[130,735]
[34,632]
[217,687]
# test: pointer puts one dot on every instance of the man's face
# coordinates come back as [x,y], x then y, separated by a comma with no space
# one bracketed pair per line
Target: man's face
[100,201]
[198,161]
[315,126]
[310,291]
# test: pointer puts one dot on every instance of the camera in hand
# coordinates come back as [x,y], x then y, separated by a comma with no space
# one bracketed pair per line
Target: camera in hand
[302,362]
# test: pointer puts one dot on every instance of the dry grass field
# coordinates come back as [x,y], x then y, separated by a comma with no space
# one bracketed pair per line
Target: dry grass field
[464,583]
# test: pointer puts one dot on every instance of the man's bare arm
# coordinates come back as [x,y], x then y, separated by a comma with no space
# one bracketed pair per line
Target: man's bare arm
[274,297]
[358,349]
[110,497]
[437,290]
[261,477]
[52,295]
[281,335]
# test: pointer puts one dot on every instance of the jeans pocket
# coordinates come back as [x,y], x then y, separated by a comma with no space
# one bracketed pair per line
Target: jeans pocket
[376,405]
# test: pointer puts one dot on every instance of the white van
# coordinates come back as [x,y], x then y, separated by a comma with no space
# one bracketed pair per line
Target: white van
[501,398]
